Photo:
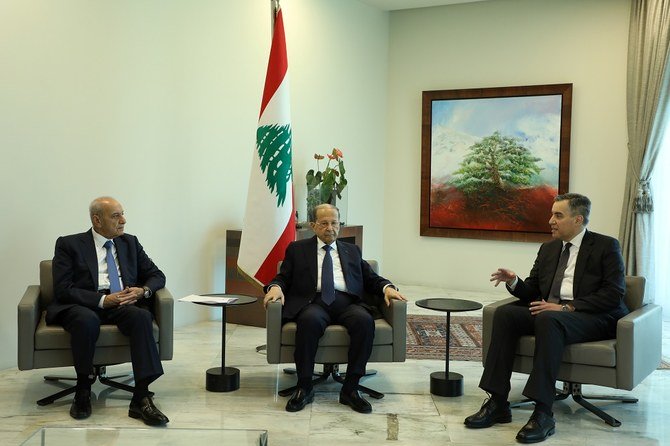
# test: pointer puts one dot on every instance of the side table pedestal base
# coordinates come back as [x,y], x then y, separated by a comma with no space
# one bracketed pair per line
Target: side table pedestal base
[442,386]
[223,382]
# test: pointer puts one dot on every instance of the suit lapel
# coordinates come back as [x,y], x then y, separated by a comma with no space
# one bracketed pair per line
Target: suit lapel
[344,254]
[122,257]
[311,259]
[90,256]
[582,259]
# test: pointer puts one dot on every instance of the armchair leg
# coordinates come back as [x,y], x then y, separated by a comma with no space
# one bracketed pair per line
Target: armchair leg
[575,391]
[58,395]
[320,377]
[99,372]
[109,380]
[560,395]
[334,371]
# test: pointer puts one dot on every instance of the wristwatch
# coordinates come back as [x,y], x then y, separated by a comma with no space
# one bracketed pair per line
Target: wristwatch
[565,307]
[147,292]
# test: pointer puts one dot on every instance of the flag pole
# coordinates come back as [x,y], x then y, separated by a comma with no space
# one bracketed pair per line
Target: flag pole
[274,7]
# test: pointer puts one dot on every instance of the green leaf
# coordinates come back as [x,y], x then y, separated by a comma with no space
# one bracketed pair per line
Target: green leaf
[274,146]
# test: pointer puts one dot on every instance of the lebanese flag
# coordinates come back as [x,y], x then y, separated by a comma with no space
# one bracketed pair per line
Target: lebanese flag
[269,220]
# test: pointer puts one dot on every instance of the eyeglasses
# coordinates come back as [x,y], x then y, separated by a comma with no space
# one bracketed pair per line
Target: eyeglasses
[325,224]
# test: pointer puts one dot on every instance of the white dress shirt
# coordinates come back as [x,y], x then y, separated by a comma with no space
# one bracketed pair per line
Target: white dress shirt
[569,275]
[101,253]
[338,275]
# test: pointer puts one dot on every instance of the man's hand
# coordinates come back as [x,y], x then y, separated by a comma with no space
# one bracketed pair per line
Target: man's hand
[128,296]
[538,306]
[392,293]
[503,275]
[274,294]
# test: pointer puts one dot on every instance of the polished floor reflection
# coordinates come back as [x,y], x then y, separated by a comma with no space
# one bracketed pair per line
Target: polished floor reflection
[407,415]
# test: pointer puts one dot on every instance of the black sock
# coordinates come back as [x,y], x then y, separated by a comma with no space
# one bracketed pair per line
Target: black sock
[141,390]
[500,400]
[544,408]
[351,383]
[84,381]
[305,384]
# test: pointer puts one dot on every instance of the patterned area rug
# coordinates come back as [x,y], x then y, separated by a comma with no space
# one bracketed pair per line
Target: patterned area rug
[426,337]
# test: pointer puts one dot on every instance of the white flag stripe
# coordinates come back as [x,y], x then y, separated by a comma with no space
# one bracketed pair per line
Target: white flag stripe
[278,110]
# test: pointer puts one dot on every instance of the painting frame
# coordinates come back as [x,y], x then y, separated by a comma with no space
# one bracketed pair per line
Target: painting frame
[433,223]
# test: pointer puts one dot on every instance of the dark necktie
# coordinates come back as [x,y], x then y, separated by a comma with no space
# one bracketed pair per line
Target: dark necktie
[555,293]
[114,281]
[327,280]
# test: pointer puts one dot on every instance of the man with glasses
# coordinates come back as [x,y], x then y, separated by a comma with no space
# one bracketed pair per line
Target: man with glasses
[321,282]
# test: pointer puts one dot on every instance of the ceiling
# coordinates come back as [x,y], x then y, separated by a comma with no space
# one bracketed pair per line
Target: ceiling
[392,5]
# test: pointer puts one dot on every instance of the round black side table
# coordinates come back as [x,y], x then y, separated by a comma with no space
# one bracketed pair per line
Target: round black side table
[447,383]
[224,379]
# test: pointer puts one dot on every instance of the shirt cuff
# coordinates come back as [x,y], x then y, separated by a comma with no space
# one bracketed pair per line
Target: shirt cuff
[389,285]
[101,302]
[513,285]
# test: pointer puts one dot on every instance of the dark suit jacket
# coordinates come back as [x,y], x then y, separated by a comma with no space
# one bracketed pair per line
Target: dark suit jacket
[75,271]
[298,275]
[599,284]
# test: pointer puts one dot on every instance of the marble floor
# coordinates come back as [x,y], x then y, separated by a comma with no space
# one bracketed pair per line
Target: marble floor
[407,415]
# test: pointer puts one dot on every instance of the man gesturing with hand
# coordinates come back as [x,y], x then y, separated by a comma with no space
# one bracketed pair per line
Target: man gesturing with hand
[574,293]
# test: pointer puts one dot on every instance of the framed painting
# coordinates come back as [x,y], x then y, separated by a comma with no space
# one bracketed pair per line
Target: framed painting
[493,159]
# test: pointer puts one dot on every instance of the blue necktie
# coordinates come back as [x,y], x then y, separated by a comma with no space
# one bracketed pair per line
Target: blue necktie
[327,280]
[114,281]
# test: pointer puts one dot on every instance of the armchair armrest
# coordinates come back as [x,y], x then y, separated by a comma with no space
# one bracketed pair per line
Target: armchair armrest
[638,345]
[273,332]
[396,315]
[487,323]
[164,313]
[29,314]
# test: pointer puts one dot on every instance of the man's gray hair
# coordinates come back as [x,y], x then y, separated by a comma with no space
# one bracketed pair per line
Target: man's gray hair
[95,208]
[325,206]
[579,204]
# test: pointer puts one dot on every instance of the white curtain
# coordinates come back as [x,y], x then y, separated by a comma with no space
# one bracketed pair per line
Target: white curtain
[647,103]
[660,187]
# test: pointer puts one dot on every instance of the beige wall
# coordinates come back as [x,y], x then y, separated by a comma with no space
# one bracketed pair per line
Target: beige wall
[155,102]
[494,44]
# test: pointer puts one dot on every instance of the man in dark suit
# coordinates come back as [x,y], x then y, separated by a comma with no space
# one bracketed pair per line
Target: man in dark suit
[574,293]
[103,276]
[321,282]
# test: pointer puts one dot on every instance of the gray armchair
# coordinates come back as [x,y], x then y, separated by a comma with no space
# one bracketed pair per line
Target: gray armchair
[620,363]
[389,344]
[44,346]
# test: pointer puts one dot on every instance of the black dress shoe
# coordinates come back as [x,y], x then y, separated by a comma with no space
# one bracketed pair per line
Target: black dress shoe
[81,405]
[299,399]
[355,401]
[490,414]
[539,427]
[145,410]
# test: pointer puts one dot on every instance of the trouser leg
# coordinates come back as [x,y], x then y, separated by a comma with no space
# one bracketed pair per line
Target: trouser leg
[83,324]
[361,329]
[553,331]
[136,323]
[509,323]
[311,323]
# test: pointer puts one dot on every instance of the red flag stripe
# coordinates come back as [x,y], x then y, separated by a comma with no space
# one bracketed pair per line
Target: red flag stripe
[268,269]
[278,63]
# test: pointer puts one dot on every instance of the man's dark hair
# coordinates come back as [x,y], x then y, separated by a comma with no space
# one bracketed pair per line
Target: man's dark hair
[579,204]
